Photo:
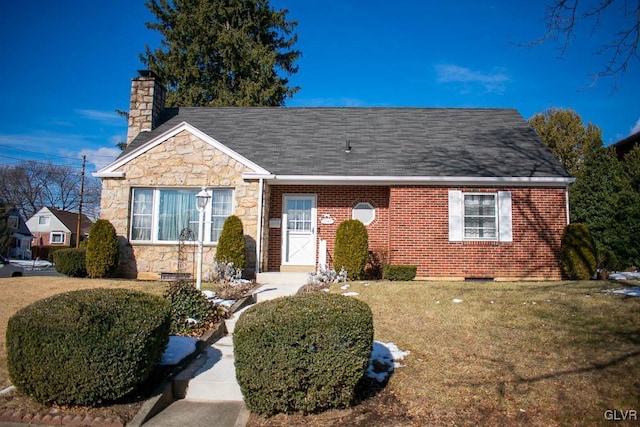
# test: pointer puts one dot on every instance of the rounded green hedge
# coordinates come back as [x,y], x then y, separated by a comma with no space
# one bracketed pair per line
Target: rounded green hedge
[71,262]
[304,353]
[578,254]
[86,347]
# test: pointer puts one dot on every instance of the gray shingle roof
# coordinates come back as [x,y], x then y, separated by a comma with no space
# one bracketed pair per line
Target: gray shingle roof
[437,142]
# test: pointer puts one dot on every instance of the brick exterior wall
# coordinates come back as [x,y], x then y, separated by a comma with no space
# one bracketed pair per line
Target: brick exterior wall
[420,235]
[337,201]
[411,227]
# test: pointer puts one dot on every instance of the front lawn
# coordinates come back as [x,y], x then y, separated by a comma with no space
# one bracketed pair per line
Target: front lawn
[552,353]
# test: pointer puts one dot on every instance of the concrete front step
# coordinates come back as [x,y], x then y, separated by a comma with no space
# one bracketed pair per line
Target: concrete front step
[282,278]
[211,377]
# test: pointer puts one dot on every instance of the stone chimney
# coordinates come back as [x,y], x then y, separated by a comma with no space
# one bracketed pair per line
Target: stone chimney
[147,102]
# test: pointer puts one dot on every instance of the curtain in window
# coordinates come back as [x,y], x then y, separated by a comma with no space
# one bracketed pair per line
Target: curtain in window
[177,210]
[480,216]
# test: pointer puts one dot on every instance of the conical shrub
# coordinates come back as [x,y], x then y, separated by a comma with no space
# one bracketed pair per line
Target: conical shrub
[231,246]
[351,248]
[103,250]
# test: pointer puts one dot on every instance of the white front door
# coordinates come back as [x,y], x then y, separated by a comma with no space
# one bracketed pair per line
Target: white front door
[299,230]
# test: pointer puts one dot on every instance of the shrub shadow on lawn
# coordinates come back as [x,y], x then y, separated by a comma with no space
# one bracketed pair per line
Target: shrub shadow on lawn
[380,366]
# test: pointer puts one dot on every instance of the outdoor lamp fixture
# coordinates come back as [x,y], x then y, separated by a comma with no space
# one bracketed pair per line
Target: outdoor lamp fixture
[202,198]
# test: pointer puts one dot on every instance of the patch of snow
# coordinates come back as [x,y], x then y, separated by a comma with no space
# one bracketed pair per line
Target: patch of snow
[456,300]
[224,302]
[350,294]
[438,302]
[191,320]
[325,289]
[625,275]
[209,294]
[344,287]
[30,265]
[178,349]
[7,390]
[384,358]
[630,292]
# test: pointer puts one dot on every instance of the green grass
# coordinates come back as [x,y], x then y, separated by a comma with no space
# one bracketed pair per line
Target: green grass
[552,353]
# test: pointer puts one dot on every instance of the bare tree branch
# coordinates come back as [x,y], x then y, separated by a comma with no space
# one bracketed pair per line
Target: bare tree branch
[563,16]
[32,185]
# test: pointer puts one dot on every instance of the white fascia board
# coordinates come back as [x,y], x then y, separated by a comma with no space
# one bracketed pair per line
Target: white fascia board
[110,169]
[252,176]
[420,180]
[107,174]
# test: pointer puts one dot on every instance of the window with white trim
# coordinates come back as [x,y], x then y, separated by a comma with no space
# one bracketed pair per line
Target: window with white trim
[364,212]
[480,216]
[160,214]
[57,237]
[479,219]
[43,220]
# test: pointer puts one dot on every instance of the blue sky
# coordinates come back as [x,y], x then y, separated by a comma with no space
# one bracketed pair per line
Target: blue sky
[67,65]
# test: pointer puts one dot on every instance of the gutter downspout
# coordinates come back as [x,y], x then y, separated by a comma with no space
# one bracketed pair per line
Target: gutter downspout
[566,195]
[259,231]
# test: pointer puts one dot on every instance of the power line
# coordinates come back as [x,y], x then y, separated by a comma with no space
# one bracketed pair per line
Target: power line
[52,156]
[38,153]
[48,163]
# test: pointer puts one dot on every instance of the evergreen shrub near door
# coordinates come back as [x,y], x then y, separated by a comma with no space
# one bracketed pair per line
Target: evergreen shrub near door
[304,353]
[231,245]
[351,248]
[86,347]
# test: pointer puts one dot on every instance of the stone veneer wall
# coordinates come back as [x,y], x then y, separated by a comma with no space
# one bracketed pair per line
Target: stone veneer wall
[146,104]
[182,161]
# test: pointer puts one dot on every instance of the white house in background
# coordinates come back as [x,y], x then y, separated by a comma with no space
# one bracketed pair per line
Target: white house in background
[55,227]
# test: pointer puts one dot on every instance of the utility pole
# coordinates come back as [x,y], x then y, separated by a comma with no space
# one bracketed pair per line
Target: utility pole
[84,160]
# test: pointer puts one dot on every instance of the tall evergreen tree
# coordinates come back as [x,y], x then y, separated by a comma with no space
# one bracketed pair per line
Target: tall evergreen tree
[605,196]
[223,52]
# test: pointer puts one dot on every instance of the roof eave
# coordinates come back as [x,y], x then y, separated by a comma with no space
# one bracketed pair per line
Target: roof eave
[412,180]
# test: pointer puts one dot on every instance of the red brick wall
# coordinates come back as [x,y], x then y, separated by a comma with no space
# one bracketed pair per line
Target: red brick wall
[412,227]
[337,201]
[420,235]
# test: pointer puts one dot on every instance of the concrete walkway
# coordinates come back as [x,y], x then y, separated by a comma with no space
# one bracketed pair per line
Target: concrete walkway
[208,391]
